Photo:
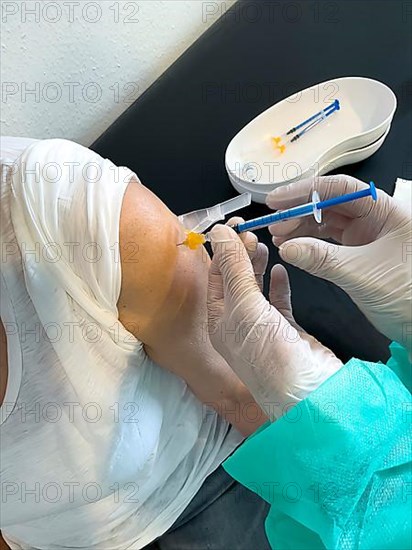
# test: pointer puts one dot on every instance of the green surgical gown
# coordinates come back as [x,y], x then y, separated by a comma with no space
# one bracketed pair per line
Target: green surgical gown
[336,469]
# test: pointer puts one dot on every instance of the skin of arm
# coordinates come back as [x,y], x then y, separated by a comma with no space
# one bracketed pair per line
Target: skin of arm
[163,304]
[3,545]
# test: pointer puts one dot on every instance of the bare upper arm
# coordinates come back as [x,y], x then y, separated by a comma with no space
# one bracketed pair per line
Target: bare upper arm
[3,545]
[163,286]
[163,302]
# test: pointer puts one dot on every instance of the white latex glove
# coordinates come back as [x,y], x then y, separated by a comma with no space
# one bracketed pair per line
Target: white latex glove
[374,265]
[278,361]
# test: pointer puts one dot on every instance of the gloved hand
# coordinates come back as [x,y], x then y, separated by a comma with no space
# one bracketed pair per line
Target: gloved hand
[278,361]
[374,265]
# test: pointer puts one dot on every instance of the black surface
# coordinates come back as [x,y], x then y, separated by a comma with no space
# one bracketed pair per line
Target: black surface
[174,137]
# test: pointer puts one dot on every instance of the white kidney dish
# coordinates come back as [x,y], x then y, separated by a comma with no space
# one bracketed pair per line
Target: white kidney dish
[351,134]
[350,157]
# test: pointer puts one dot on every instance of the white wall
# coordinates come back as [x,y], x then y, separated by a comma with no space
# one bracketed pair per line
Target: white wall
[85,62]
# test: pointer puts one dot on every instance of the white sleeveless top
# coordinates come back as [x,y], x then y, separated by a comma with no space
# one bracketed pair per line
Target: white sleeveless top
[100,447]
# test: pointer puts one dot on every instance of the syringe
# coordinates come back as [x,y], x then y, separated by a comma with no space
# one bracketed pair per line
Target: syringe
[315,207]
[299,130]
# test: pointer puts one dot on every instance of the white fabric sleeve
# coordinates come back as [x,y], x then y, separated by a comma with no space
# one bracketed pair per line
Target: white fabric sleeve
[66,210]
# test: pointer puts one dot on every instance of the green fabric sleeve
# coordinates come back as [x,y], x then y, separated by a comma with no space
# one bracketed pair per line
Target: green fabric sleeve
[400,364]
[336,468]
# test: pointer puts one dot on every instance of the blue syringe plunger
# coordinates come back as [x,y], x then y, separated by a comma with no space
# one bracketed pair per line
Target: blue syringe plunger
[311,208]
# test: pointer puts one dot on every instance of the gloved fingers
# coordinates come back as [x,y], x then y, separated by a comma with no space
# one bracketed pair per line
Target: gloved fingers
[308,225]
[327,187]
[324,356]
[260,263]
[257,252]
[215,282]
[332,227]
[330,261]
[215,296]
[249,239]
[295,193]
[290,195]
[280,294]
[231,258]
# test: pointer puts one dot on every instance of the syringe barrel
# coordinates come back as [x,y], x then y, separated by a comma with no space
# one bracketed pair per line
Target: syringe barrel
[307,209]
[270,219]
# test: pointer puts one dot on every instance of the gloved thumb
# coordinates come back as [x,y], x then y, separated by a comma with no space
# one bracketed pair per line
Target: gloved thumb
[322,259]
[231,258]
